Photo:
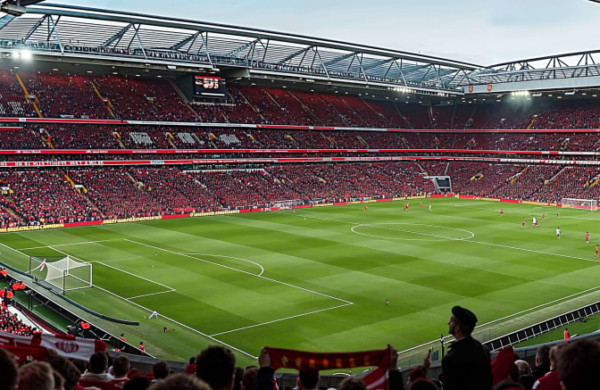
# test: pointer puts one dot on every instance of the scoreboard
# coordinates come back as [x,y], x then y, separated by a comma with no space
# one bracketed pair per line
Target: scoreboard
[209,87]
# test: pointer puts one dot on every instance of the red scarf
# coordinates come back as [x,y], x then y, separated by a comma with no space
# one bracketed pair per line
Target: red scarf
[300,360]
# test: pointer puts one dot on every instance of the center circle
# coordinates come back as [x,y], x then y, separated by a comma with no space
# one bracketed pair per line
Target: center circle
[411,232]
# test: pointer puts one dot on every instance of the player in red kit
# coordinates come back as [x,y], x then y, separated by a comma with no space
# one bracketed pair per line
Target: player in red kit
[406,207]
[501,212]
[365,207]
[596,250]
[543,216]
[558,215]
[522,223]
[421,204]
[587,237]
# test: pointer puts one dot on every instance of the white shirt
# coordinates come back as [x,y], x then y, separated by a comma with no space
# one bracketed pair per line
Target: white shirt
[534,220]
[557,231]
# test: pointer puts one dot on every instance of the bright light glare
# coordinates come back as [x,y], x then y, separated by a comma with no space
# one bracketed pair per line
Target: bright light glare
[26,55]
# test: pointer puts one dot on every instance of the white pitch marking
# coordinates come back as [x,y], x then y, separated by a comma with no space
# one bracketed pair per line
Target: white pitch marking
[410,231]
[147,295]
[178,323]
[474,242]
[137,276]
[76,243]
[239,270]
[281,319]
[262,270]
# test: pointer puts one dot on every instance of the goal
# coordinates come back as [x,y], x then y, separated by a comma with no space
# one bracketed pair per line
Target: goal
[584,204]
[287,204]
[61,273]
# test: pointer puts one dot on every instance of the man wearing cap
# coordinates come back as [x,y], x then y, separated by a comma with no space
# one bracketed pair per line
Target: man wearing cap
[467,366]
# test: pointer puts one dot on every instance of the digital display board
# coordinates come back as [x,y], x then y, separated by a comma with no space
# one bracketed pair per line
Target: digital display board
[209,87]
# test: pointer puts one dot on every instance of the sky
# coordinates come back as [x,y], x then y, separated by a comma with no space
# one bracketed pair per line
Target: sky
[482,32]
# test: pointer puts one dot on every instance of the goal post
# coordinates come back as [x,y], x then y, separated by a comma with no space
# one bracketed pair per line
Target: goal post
[61,273]
[287,204]
[583,204]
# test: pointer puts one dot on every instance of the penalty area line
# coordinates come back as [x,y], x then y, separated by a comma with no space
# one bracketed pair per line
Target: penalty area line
[282,319]
[212,338]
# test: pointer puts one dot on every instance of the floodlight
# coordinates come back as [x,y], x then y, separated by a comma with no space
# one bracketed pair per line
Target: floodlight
[26,55]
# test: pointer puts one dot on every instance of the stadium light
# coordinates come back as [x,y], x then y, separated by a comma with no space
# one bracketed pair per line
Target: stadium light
[537,94]
[570,93]
[26,55]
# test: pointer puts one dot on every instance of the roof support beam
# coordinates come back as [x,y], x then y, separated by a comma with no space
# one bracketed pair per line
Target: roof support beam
[295,54]
[205,45]
[184,42]
[338,59]
[34,28]
[117,37]
[137,35]
[53,30]
[240,49]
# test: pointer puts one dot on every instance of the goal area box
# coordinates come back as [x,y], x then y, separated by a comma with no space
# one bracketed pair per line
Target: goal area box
[60,273]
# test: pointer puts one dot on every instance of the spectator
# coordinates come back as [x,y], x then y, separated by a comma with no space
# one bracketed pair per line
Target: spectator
[190,369]
[352,383]
[120,370]
[36,376]
[579,365]
[181,382]
[542,362]
[216,366]
[9,372]
[467,366]
[98,369]
[160,370]
[237,381]
[137,383]
[69,372]
[249,378]
[422,384]
[308,379]
[551,380]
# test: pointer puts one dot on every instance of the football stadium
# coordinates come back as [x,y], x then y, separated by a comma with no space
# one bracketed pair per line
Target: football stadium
[281,203]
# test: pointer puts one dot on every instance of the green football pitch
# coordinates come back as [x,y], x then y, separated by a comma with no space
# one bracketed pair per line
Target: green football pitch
[318,279]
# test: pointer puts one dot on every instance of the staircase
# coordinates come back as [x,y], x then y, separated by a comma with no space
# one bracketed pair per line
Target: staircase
[109,105]
[35,101]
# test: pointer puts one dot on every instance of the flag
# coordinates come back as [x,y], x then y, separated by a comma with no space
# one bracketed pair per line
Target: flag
[67,346]
[43,265]
[301,360]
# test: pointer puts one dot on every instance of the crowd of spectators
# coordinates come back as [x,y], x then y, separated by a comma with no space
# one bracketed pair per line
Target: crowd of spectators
[10,323]
[45,197]
[526,185]
[467,365]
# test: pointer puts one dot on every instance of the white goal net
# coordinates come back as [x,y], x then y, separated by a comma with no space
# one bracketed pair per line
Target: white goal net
[584,204]
[287,204]
[62,273]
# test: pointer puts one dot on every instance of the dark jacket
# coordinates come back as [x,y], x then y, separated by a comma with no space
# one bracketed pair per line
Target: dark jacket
[467,366]
[540,371]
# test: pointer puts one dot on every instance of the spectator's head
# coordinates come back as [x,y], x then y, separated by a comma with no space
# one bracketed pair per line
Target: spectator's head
[216,366]
[554,355]
[160,370]
[542,356]
[422,384]
[181,382]
[192,360]
[579,365]
[69,372]
[9,372]
[308,379]
[523,367]
[462,322]
[121,366]
[98,363]
[36,376]
[508,386]
[352,383]
[137,383]
[237,381]
[249,378]
[527,381]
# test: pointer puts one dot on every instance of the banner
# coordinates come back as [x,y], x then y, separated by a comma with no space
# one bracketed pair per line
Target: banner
[301,360]
[67,346]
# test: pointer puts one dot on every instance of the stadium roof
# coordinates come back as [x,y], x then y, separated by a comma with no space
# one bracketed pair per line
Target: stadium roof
[81,30]
[54,31]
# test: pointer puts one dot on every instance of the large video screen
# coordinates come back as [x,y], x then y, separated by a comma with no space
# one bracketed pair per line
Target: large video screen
[209,87]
